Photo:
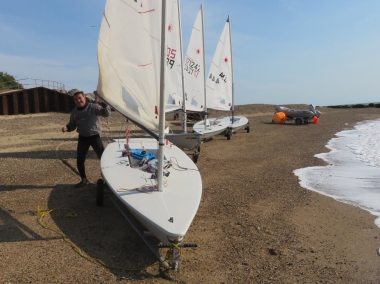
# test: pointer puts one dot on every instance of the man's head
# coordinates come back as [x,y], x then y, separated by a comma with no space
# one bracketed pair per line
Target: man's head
[79,98]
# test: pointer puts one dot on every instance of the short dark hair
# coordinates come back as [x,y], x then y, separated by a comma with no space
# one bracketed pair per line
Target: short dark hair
[74,92]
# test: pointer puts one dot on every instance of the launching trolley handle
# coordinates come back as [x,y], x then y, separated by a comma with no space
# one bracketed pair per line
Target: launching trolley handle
[181,245]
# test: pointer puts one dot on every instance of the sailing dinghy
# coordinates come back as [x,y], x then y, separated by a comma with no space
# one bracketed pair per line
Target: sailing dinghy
[195,82]
[174,86]
[220,88]
[163,192]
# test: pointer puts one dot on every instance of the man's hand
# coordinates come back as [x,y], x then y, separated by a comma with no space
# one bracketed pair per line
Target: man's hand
[64,129]
[98,98]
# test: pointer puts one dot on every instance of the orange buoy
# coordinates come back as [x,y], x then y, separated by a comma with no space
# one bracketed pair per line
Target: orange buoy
[279,117]
[315,119]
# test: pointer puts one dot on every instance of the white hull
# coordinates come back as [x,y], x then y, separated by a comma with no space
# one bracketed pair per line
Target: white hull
[185,140]
[179,200]
[215,126]
[239,122]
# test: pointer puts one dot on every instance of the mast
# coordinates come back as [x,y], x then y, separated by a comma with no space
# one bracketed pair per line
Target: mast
[204,67]
[232,69]
[161,126]
[183,80]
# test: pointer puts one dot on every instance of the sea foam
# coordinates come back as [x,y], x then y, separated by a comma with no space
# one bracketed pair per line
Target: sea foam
[353,173]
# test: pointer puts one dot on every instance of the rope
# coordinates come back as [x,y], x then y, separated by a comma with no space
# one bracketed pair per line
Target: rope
[180,168]
[121,126]
[127,136]
[44,212]
[104,121]
[146,188]
[104,124]
[170,251]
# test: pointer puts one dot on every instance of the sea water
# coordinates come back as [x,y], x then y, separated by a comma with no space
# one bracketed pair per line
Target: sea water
[353,173]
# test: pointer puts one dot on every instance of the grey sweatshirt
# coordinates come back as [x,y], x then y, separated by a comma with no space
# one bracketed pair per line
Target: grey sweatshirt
[86,119]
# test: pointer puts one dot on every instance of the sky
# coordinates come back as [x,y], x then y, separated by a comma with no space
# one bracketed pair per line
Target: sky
[324,52]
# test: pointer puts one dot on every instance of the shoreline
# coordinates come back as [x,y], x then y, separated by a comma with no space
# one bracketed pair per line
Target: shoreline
[255,223]
[347,178]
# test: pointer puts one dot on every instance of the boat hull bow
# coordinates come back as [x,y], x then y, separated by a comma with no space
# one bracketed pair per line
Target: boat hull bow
[212,127]
[167,214]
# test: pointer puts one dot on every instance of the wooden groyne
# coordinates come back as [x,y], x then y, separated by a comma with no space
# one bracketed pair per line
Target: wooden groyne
[35,100]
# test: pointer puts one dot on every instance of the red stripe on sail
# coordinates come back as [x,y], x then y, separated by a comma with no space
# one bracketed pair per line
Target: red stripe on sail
[146,11]
[142,65]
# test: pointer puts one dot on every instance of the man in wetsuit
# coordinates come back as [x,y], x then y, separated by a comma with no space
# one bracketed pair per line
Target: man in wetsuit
[85,119]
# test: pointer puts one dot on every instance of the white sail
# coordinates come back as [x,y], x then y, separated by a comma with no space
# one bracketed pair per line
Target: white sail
[131,84]
[219,83]
[173,76]
[194,75]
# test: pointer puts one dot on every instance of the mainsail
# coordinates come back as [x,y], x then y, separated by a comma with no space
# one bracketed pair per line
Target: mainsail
[129,66]
[194,67]
[219,83]
[173,76]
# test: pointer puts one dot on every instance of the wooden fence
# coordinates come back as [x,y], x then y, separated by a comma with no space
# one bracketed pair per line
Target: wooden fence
[35,100]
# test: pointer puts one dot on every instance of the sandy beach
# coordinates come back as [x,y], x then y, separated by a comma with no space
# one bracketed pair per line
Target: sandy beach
[255,223]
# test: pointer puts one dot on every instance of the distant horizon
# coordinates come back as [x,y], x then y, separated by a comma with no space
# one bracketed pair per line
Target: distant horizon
[236,105]
[293,103]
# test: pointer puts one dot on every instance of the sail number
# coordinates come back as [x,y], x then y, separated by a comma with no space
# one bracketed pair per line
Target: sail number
[170,57]
[191,67]
[217,79]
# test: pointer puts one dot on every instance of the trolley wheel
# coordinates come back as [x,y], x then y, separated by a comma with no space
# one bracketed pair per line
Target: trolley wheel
[298,121]
[228,135]
[99,192]
[195,157]
[247,128]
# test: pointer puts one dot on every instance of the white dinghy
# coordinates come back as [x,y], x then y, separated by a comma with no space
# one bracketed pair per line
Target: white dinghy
[155,180]
[195,82]
[174,85]
[236,122]
[220,87]
[210,127]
